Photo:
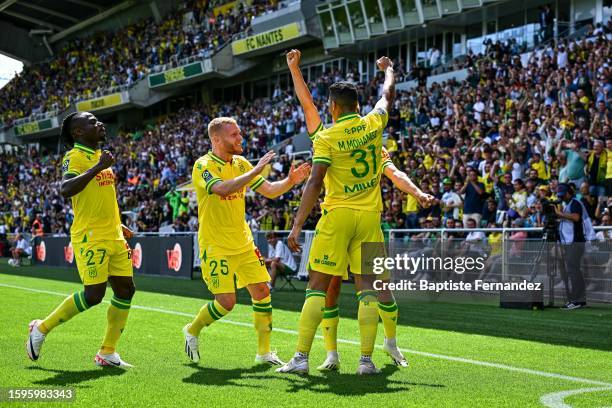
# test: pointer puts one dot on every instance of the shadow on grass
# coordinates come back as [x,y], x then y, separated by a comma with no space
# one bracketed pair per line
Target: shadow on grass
[483,317]
[65,377]
[341,384]
[231,377]
[347,384]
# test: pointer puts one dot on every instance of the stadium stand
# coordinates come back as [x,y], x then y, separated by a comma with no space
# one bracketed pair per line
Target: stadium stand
[521,127]
[109,59]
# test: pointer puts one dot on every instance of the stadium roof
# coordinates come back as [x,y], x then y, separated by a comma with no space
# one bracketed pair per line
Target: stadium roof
[56,15]
[54,19]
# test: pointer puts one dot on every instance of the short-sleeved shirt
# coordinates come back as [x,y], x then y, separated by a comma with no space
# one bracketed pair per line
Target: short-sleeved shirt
[352,148]
[96,212]
[282,252]
[223,229]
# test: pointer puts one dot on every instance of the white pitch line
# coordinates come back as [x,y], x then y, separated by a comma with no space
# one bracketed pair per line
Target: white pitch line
[353,342]
[556,399]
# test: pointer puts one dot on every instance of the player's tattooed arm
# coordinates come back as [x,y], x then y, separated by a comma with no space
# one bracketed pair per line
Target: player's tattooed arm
[311,112]
[310,195]
[403,182]
[73,184]
[277,188]
[228,187]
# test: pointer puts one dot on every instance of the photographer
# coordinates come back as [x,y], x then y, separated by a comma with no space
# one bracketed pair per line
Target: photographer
[574,226]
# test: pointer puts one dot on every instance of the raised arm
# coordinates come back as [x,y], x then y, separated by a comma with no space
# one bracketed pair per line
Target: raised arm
[277,188]
[73,184]
[228,187]
[388,93]
[311,113]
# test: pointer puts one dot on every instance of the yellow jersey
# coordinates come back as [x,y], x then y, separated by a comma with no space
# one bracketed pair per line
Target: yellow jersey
[540,167]
[609,163]
[223,229]
[96,212]
[352,150]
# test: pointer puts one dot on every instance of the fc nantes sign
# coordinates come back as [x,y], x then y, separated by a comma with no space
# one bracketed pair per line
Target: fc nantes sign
[267,39]
[102,103]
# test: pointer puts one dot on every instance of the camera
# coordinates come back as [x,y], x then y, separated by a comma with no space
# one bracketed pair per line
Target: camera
[550,217]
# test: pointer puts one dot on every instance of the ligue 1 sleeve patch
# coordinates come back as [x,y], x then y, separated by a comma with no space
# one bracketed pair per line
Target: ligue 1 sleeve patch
[207,176]
[65,165]
[380,111]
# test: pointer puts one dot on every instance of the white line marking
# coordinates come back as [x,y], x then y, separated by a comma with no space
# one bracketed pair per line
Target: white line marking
[353,342]
[556,399]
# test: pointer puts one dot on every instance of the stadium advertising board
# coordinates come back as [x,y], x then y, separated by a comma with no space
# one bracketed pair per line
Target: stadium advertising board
[35,126]
[267,39]
[180,73]
[167,256]
[103,102]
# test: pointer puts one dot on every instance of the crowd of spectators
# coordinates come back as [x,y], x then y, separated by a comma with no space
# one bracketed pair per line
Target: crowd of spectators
[84,67]
[490,149]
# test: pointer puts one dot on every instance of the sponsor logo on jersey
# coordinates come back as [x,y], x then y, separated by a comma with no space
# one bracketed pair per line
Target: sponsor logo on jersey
[325,261]
[105,178]
[65,165]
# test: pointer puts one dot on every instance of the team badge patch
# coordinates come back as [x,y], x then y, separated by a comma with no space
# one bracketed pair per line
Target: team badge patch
[207,176]
[65,165]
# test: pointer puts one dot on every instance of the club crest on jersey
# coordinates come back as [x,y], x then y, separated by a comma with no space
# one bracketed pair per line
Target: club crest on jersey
[207,176]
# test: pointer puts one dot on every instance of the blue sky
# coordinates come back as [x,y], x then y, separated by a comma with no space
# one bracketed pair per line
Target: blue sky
[8,66]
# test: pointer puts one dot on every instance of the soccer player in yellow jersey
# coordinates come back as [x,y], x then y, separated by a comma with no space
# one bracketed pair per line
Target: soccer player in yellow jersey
[346,159]
[387,306]
[229,256]
[98,238]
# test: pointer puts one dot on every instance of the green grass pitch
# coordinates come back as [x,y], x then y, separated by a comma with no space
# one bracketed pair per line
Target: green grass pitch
[460,355]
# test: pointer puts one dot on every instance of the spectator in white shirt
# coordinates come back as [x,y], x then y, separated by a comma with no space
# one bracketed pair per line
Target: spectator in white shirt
[21,250]
[280,260]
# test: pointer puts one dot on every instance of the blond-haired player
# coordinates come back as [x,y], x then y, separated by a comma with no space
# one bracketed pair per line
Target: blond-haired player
[229,256]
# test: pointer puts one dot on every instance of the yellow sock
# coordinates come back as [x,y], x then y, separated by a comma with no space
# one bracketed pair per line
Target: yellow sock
[262,319]
[388,315]
[116,317]
[70,307]
[368,320]
[310,318]
[208,314]
[329,325]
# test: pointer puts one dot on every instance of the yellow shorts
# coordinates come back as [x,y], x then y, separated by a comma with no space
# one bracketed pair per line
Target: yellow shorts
[220,271]
[338,238]
[96,261]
